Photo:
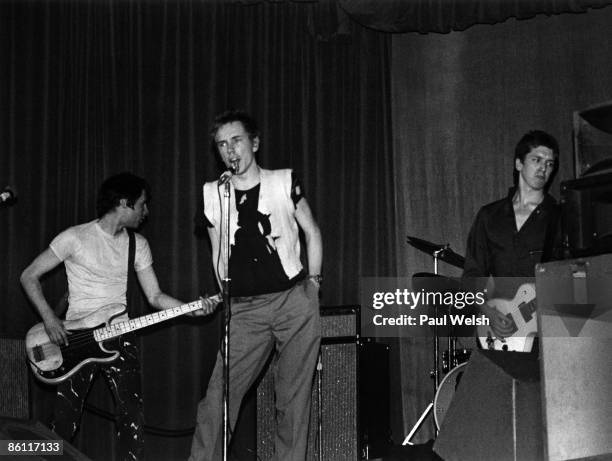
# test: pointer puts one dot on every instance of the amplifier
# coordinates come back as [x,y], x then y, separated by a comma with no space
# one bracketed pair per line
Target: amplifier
[14,385]
[339,397]
[339,323]
[575,328]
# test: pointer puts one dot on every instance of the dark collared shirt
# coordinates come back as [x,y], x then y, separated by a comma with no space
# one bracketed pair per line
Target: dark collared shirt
[495,247]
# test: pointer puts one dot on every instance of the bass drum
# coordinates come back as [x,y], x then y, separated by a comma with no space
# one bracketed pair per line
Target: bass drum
[446,392]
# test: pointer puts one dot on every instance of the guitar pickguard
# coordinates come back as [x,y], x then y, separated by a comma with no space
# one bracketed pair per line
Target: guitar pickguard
[521,312]
[54,364]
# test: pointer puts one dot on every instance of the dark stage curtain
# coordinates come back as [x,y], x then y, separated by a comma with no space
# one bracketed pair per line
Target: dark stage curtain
[92,88]
[461,102]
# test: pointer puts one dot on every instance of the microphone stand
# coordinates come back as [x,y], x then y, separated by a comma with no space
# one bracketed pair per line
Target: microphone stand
[227,304]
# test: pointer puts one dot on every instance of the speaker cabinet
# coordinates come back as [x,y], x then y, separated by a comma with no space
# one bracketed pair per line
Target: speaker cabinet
[14,387]
[495,412]
[335,432]
[16,429]
[575,322]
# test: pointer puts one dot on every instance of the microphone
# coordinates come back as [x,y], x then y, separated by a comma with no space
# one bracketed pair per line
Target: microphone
[8,196]
[227,175]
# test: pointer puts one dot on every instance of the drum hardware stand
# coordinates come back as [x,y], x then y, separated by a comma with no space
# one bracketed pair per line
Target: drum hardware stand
[435,373]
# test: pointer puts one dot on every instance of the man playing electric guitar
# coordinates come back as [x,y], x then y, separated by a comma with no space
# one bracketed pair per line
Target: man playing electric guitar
[510,236]
[95,255]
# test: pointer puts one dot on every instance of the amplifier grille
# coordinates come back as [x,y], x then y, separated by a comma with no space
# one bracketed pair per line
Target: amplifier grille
[334,395]
[339,322]
[14,395]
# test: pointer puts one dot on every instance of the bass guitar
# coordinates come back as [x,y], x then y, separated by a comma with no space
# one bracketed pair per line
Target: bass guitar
[521,311]
[92,339]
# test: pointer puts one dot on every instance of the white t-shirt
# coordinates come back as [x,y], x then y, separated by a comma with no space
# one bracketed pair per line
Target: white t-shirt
[96,266]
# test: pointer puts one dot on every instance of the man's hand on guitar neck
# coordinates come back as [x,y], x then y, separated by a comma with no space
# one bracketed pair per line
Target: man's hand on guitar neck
[209,303]
[500,324]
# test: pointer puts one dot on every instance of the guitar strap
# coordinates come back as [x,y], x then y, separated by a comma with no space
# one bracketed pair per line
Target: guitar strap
[130,273]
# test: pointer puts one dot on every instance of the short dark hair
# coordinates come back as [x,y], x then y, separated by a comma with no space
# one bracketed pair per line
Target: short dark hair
[121,186]
[234,115]
[531,140]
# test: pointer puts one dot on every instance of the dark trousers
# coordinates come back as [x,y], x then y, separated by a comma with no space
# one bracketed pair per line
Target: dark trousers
[124,380]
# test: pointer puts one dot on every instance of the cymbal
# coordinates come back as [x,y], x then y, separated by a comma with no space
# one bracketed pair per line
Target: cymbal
[443,252]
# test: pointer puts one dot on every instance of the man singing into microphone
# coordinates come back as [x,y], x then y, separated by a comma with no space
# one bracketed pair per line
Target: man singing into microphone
[274,300]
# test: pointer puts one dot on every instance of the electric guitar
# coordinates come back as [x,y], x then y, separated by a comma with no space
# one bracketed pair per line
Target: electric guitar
[521,311]
[91,339]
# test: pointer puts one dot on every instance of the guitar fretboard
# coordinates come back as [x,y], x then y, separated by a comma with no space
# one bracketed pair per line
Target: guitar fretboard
[117,329]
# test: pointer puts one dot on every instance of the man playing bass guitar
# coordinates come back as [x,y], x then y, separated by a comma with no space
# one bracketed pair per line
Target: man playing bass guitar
[95,255]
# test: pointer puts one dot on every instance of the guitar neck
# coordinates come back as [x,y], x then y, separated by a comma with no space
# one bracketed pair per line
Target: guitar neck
[127,326]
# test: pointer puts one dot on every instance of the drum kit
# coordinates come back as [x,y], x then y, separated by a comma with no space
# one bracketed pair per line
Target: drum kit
[452,361]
